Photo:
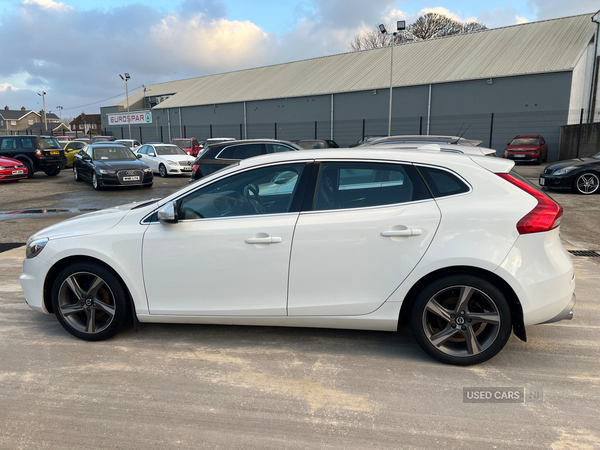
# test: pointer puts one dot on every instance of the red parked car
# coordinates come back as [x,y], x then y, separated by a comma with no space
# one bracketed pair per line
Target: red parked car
[527,148]
[11,169]
[189,145]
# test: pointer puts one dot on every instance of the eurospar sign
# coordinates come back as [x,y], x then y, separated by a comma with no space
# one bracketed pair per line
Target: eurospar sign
[134,118]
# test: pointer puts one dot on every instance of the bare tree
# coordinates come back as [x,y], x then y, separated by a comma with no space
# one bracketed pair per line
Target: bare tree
[428,26]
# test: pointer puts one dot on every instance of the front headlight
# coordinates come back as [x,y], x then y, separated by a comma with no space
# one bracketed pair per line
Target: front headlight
[107,172]
[564,170]
[172,163]
[34,248]
[148,170]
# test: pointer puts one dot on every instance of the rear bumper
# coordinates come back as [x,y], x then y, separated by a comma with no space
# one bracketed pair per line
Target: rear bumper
[565,314]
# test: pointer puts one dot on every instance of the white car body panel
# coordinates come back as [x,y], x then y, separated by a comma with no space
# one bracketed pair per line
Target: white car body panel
[191,254]
[342,265]
[171,162]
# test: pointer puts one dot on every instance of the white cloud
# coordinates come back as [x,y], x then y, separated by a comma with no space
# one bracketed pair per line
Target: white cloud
[499,17]
[551,9]
[7,87]
[48,4]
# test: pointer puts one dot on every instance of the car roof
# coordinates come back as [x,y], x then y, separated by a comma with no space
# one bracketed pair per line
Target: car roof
[106,144]
[427,138]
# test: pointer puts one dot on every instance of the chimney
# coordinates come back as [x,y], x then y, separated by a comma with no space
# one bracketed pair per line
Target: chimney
[6,108]
[23,108]
[82,115]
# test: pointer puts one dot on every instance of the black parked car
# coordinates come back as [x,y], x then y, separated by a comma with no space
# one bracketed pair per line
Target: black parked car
[37,153]
[226,153]
[580,175]
[110,165]
[317,143]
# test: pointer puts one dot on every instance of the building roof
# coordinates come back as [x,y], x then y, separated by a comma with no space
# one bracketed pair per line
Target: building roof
[537,47]
[52,127]
[15,114]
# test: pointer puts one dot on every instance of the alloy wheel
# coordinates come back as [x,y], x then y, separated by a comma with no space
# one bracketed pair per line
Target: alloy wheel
[461,321]
[587,183]
[86,302]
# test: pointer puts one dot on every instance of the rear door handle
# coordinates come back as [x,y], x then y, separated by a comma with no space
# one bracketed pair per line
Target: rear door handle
[264,240]
[407,232]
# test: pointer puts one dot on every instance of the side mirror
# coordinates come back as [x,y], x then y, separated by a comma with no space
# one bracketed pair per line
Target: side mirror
[152,154]
[138,155]
[508,143]
[168,213]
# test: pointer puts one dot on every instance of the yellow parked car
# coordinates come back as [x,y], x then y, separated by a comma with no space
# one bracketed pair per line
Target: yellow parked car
[71,148]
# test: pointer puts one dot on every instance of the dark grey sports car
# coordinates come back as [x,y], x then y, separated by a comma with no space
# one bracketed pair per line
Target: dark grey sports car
[110,165]
[582,175]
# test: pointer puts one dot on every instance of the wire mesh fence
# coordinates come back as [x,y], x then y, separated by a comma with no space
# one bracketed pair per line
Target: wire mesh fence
[566,132]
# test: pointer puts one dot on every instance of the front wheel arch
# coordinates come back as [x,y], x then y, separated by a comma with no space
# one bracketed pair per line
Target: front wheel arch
[60,265]
[511,297]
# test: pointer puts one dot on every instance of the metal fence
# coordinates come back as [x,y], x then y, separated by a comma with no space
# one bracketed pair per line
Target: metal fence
[495,130]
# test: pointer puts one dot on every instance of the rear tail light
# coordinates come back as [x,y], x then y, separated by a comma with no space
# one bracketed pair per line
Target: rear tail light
[544,217]
[195,167]
[39,153]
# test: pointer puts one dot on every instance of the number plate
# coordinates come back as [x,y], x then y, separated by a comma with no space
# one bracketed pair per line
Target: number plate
[55,153]
[542,181]
[518,156]
[17,172]
[186,169]
[131,178]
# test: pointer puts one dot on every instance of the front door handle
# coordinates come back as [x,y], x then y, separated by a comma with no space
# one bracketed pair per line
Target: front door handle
[402,233]
[263,240]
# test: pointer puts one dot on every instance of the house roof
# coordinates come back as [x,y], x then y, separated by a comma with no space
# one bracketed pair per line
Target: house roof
[87,118]
[36,127]
[12,114]
[537,47]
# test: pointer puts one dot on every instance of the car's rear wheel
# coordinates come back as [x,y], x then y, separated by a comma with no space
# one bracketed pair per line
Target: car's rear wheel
[162,170]
[461,320]
[587,183]
[89,301]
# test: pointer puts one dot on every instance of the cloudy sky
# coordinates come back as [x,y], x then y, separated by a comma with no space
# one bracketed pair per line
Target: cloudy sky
[75,49]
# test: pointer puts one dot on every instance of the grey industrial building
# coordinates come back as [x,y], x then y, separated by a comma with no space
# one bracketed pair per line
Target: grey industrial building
[530,78]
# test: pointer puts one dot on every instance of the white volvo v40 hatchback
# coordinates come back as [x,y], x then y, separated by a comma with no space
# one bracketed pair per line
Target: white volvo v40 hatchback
[460,246]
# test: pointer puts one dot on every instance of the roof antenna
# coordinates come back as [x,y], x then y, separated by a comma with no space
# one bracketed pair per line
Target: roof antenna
[457,133]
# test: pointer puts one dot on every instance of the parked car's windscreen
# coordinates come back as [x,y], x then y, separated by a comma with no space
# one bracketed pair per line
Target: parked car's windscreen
[525,141]
[48,143]
[162,150]
[113,154]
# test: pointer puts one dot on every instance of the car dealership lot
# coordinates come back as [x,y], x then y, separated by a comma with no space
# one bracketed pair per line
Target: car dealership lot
[185,386]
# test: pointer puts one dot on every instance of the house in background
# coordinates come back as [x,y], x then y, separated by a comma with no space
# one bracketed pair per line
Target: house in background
[21,119]
[53,129]
[87,124]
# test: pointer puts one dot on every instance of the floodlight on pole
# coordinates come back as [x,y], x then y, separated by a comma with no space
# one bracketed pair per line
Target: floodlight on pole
[400,26]
[126,79]
[43,95]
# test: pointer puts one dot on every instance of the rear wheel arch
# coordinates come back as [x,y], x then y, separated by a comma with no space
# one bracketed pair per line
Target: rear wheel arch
[60,265]
[510,295]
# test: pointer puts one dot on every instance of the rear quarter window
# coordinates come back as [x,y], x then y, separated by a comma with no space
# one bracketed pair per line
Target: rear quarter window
[443,183]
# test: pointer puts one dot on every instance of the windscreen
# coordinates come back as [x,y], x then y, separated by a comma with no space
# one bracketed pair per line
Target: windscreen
[113,154]
[525,141]
[163,150]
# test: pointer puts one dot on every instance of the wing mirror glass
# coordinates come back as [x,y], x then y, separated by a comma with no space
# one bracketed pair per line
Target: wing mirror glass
[168,213]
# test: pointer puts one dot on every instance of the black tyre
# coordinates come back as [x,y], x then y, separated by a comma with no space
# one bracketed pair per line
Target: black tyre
[29,168]
[587,183]
[53,172]
[89,301]
[76,174]
[148,185]
[461,320]
[162,171]
[95,182]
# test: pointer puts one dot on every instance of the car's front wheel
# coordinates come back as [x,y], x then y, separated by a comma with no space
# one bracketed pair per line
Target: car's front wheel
[461,320]
[162,171]
[89,301]
[76,174]
[587,183]
[95,182]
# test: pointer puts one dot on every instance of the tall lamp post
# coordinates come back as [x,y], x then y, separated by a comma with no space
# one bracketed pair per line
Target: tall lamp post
[126,79]
[400,26]
[43,95]
[60,108]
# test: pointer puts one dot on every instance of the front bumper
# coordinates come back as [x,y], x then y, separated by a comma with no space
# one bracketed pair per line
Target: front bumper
[114,180]
[565,314]
[529,156]
[553,182]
